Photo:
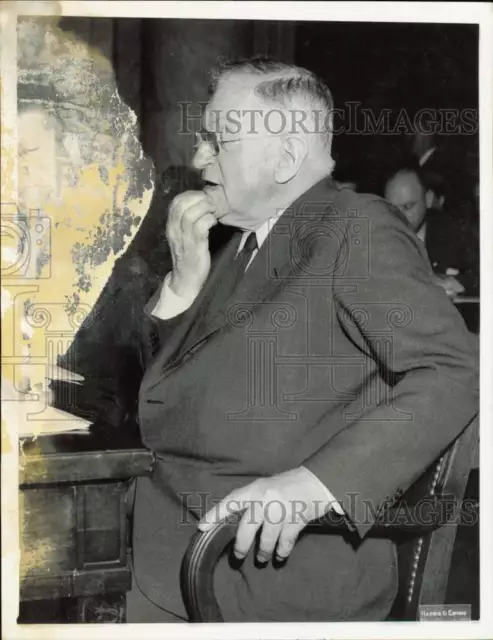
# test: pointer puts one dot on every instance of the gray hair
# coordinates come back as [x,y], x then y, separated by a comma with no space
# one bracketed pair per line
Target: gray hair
[285,84]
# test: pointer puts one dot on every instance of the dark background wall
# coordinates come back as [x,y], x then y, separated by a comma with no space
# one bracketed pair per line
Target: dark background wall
[392,66]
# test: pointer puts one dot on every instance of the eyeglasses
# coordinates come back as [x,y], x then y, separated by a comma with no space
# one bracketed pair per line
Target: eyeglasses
[212,139]
[215,143]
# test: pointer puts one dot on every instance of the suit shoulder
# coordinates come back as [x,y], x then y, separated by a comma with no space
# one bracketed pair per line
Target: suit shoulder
[376,225]
[376,209]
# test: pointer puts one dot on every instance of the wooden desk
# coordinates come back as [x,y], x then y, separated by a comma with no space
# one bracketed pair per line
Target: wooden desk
[73,524]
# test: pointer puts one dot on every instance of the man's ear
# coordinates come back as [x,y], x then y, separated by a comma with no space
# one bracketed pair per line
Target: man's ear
[429,199]
[293,152]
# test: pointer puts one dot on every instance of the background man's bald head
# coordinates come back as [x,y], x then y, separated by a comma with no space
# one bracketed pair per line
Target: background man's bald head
[404,184]
[406,191]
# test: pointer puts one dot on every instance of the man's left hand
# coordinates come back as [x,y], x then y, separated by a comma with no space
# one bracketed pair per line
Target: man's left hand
[282,505]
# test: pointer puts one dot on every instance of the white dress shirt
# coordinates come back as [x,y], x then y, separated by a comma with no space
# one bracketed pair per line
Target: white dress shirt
[170,305]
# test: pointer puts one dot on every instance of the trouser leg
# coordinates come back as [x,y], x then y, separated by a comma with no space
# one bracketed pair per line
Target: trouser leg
[140,609]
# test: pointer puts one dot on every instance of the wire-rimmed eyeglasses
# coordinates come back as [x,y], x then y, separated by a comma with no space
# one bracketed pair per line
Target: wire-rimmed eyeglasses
[214,141]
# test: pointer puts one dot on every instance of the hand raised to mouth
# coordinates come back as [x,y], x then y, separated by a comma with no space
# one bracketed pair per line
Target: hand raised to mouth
[191,216]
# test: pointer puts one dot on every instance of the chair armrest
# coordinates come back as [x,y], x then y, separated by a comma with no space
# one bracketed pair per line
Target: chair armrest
[197,570]
[205,548]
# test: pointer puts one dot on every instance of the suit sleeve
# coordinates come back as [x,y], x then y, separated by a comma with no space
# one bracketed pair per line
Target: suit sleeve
[177,313]
[398,318]
[167,304]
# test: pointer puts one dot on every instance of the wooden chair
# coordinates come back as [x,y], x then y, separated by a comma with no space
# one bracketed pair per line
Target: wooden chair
[423,524]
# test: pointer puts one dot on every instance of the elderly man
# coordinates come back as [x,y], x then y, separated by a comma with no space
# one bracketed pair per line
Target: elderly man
[310,366]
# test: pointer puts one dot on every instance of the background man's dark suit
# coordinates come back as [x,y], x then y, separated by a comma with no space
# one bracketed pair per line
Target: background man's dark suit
[452,241]
[371,375]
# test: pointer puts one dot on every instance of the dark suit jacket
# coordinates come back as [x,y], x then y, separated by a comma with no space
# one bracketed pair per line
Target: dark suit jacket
[336,352]
[452,241]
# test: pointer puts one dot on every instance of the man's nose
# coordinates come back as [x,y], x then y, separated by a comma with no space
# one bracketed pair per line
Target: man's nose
[202,157]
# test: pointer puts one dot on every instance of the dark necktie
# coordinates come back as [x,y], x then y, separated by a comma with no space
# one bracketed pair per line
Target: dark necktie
[228,278]
[243,258]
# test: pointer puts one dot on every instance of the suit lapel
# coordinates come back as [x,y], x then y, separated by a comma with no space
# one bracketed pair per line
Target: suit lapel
[280,256]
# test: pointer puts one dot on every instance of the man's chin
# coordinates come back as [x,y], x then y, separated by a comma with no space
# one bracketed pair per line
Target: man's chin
[229,219]
[218,199]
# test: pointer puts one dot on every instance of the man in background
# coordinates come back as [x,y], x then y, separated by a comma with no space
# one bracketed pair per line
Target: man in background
[446,231]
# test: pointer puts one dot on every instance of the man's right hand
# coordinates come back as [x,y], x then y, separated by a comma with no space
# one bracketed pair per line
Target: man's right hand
[189,222]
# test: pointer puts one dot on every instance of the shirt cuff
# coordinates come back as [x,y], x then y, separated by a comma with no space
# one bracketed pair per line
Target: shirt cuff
[168,304]
[334,504]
